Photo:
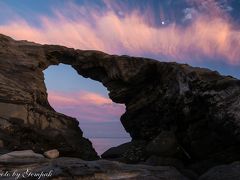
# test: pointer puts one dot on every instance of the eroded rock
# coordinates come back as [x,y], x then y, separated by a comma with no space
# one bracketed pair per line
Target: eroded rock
[27,121]
[199,106]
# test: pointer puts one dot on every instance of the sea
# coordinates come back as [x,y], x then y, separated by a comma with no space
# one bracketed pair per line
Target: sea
[102,144]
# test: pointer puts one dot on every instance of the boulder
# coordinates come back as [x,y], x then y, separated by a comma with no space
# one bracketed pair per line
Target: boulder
[52,154]
[116,152]
[131,152]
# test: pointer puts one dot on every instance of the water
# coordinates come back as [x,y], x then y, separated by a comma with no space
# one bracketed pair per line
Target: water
[103,144]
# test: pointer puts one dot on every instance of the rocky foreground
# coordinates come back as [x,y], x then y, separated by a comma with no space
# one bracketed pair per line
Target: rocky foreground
[30,165]
[177,115]
[27,164]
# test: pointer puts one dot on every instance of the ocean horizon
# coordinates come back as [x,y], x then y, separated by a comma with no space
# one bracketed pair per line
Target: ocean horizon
[102,144]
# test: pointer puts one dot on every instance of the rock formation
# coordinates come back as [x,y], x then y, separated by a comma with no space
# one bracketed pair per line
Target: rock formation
[34,166]
[194,111]
[27,121]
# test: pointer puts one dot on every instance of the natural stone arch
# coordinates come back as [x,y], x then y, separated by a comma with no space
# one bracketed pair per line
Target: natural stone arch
[118,74]
[198,106]
[98,116]
[28,60]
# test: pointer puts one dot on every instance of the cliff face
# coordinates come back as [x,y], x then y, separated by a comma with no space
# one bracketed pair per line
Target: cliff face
[194,109]
[27,121]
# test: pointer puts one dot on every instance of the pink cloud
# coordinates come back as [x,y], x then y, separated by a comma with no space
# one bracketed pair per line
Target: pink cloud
[86,106]
[78,97]
[212,37]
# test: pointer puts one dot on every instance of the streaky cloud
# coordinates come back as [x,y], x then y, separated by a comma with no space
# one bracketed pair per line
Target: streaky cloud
[86,106]
[212,36]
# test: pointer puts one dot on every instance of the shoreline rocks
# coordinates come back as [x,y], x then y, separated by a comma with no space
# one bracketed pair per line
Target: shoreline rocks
[74,168]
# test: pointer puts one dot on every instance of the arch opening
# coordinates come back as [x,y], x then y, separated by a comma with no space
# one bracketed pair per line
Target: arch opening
[87,101]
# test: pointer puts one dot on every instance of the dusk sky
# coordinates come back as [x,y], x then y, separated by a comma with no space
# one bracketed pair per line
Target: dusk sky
[203,33]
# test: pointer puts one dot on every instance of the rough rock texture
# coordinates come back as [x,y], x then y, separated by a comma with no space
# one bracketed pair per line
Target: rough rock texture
[131,152]
[200,107]
[73,168]
[27,121]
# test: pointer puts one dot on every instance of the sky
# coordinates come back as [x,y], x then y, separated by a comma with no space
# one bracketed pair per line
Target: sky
[203,33]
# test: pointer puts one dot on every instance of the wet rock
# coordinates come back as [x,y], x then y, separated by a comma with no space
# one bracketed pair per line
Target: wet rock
[52,154]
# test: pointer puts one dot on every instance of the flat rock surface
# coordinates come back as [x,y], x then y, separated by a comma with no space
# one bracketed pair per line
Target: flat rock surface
[20,157]
[22,154]
[73,168]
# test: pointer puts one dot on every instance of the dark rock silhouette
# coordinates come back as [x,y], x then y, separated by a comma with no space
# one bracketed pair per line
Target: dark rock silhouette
[223,172]
[198,108]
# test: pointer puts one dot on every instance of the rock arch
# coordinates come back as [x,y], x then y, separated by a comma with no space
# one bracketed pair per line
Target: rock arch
[99,117]
[200,107]
[25,109]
